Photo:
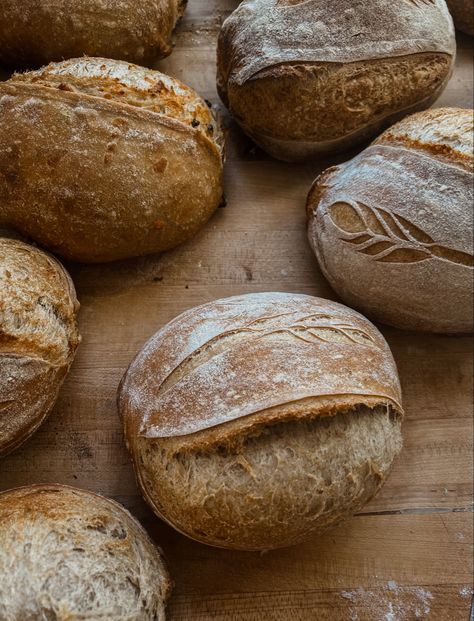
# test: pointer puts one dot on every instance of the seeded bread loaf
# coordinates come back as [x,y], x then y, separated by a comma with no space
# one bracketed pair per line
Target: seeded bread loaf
[310,78]
[38,338]
[69,555]
[102,160]
[463,15]
[392,228]
[35,32]
[257,421]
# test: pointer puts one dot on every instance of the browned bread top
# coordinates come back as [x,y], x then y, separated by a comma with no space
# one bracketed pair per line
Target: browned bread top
[102,160]
[69,554]
[256,358]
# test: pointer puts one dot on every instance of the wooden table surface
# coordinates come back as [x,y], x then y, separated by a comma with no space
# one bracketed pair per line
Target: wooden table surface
[408,554]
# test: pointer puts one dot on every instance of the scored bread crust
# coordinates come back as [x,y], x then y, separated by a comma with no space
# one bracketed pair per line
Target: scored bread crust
[74,554]
[335,82]
[392,228]
[463,15]
[35,32]
[38,338]
[199,371]
[206,394]
[133,166]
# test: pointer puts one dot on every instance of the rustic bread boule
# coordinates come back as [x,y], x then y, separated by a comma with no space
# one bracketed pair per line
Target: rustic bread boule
[463,15]
[68,554]
[38,338]
[256,421]
[310,78]
[102,160]
[392,228]
[35,32]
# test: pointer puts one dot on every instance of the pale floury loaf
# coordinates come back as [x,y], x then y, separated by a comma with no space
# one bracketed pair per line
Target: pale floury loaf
[103,160]
[70,555]
[392,228]
[38,338]
[312,77]
[35,32]
[256,421]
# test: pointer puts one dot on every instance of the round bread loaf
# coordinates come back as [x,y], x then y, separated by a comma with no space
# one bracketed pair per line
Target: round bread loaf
[38,338]
[256,421]
[67,554]
[102,160]
[35,32]
[305,78]
[463,15]
[392,228]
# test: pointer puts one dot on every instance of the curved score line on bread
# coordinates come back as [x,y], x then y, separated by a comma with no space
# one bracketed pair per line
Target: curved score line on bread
[388,237]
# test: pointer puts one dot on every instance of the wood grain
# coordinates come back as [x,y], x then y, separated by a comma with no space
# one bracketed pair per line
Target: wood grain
[409,554]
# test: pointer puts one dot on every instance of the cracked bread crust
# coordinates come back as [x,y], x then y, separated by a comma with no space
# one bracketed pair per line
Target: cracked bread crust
[68,554]
[35,32]
[234,380]
[38,338]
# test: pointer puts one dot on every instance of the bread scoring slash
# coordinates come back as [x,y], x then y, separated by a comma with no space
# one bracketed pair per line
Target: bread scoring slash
[259,420]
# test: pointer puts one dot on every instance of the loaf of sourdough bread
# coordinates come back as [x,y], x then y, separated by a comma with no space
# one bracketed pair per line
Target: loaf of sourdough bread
[102,160]
[257,421]
[68,554]
[311,78]
[38,338]
[392,228]
[35,32]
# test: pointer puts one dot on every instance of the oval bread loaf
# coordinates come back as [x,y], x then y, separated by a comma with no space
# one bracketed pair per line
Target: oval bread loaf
[392,228]
[310,78]
[35,32]
[102,160]
[256,421]
[463,15]
[38,338]
[67,554]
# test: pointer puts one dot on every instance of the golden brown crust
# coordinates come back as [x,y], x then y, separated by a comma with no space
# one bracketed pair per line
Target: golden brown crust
[38,338]
[113,180]
[36,32]
[392,228]
[463,15]
[99,560]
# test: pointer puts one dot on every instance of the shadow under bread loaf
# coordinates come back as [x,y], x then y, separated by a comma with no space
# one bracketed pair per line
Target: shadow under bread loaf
[463,15]
[35,32]
[257,421]
[102,160]
[310,78]
[38,338]
[69,554]
[392,228]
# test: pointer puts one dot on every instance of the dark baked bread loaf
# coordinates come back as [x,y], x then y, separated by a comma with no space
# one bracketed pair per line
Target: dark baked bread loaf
[256,421]
[463,15]
[68,554]
[309,78]
[35,32]
[392,228]
[38,338]
[103,160]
